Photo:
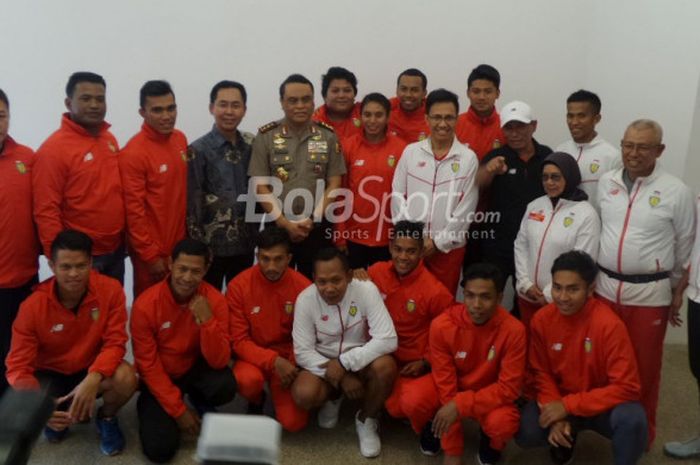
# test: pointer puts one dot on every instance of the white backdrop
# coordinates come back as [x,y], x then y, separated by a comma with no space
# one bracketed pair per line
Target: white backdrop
[640,56]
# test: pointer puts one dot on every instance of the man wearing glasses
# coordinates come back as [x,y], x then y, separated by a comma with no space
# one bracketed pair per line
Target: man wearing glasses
[435,183]
[648,226]
[510,176]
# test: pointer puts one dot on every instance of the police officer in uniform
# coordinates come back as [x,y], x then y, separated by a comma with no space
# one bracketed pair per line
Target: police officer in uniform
[302,161]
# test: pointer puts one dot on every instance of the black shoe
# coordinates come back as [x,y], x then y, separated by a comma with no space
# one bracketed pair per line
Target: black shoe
[429,444]
[201,406]
[257,409]
[487,455]
[561,455]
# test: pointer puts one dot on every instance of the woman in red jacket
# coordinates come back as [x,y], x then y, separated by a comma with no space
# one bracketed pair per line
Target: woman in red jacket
[371,158]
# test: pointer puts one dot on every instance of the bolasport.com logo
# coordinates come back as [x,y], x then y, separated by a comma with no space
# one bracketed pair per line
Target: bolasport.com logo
[448,213]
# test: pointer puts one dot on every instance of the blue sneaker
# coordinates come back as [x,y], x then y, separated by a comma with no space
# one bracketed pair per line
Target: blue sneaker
[53,436]
[111,437]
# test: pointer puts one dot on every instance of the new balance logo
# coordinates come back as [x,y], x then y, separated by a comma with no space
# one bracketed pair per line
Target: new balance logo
[57,328]
[165,325]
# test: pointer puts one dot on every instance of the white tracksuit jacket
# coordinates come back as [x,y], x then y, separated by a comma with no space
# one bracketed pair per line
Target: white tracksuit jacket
[648,230]
[594,160]
[440,193]
[547,232]
[358,330]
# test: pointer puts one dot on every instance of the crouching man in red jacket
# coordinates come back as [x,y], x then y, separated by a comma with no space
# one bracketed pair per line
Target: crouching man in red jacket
[585,370]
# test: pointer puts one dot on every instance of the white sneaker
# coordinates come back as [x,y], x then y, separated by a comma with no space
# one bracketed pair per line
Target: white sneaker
[683,450]
[328,414]
[368,434]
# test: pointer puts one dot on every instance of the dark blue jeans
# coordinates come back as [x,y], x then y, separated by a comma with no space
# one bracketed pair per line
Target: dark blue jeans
[625,425]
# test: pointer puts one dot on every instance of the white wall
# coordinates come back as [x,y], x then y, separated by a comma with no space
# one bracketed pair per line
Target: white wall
[640,56]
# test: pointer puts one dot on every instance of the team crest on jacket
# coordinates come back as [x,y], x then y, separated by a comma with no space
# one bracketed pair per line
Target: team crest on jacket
[496,144]
[183,155]
[391,161]
[492,353]
[594,167]
[21,167]
[356,122]
[95,314]
[568,221]
[353,310]
[111,147]
[588,345]
[422,136]
[455,166]
[288,307]
[411,306]
[655,199]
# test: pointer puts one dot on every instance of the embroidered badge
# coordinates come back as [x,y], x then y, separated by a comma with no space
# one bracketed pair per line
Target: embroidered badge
[588,345]
[557,346]
[163,168]
[57,328]
[88,157]
[288,307]
[411,306]
[255,310]
[95,314]
[324,317]
[568,221]
[281,173]
[359,162]
[183,155]
[111,147]
[353,310]
[655,199]
[391,161]
[455,167]
[166,325]
[594,167]
[356,122]
[537,216]
[461,355]
[21,167]
[497,144]
[422,136]
[492,353]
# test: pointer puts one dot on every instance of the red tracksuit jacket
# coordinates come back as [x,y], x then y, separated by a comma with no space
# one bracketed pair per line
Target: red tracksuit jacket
[168,341]
[19,245]
[413,302]
[76,185]
[345,128]
[480,367]
[410,127]
[153,169]
[585,360]
[262,314]
[482,134]
[48,336]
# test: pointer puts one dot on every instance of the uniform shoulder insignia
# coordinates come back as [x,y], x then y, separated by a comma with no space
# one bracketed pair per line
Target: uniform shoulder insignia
[268,127]
[325,125]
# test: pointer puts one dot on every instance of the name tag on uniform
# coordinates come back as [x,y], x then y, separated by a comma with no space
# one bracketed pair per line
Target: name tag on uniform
[318,146]
[537,216]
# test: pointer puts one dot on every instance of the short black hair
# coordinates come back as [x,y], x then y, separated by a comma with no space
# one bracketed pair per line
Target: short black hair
[405,229]
[414,72]
[227,85]
[487,73]
[82,76]
[70,239]
[295,79]
[578,262]
[582,95]
[3,98]
[337,72]
[156,88]
[331,253]
[376,97]
[441,96]
[190,246]
[273,236]
[486,271]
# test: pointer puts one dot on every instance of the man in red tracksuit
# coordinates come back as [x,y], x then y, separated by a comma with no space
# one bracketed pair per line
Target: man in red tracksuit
[585,370]
[414,297]
[480,126]
[407,118]
[261,305]
[19,245]
[70,337]
[75,177]
[153,168]
[340,111]
[179,331]
[478,360]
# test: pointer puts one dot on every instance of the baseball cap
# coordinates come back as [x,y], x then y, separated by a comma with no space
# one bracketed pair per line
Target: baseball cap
[517,111]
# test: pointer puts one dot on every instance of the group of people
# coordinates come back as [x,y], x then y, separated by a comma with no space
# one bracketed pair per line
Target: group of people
[371,213]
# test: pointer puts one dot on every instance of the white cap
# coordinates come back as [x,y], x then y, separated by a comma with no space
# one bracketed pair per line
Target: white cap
[517,111]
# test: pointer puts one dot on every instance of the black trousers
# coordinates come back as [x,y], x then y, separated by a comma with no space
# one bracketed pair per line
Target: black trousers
[364,256]
[158,431]
[303,252]
[10,300]
[694,338]
[224,269]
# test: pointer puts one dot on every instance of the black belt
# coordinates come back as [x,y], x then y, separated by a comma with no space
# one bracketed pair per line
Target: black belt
[636,278]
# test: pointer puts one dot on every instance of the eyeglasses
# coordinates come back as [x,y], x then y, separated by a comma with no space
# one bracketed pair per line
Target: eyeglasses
[449,119]
[553,177]
[641,148]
